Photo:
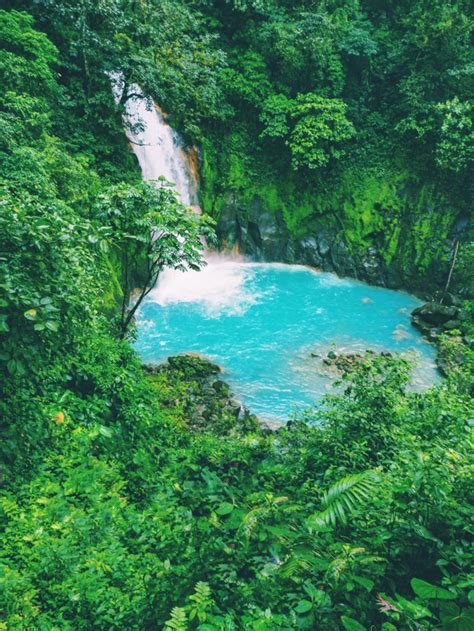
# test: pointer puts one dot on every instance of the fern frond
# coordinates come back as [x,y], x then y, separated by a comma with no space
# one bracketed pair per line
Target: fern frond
[178,620]
[201,600]
[294,566]
[252,519]
[344,497]
[202,593]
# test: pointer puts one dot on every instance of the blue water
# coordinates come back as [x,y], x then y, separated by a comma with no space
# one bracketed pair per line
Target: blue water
[262,322]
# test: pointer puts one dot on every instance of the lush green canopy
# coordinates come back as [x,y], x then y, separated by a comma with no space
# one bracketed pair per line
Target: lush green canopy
[116,512]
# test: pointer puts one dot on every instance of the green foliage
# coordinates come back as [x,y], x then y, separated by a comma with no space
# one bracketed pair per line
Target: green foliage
[321,126]
[118,510]
[426,590]
[274,116]
[455,149]
[344,497]
[177,621]
[148,222]
[249,82]
[316,135]
[26,60]
[350,624]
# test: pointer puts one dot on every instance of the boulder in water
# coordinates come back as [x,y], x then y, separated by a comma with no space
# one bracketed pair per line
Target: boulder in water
[434,313]
[344,363]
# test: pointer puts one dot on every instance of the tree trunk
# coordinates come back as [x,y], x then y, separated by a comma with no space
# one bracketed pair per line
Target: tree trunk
[453,263]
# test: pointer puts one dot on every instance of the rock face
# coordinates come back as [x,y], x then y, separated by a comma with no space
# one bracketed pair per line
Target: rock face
[253,231]
[389,236]
[434,318]
[263,235]
[195,388]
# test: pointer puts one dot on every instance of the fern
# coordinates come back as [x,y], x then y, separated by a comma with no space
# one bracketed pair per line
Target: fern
[295,566]
[202,601]
[344,497]
[258,514]
[178,620]
[202,593]
[252,519]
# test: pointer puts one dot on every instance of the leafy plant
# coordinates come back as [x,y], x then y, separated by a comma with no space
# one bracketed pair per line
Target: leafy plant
[178,620]
[319,131]
[148,223]
[345,497]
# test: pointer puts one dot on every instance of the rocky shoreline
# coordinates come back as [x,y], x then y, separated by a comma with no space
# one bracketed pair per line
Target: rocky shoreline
[207,402]
[193,385]
[436,317]
[263,235]
[448,315]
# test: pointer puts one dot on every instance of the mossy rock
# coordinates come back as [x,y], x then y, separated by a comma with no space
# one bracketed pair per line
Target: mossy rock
[193,366]
[190,387]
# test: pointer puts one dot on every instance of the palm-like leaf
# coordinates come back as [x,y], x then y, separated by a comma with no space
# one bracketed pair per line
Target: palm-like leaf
[295,566]
[344,497]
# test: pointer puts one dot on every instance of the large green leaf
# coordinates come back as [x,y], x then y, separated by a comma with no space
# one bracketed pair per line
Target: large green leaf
[455,619]
[413,609]
[350,624]
[304,606]
[426,590]
[225,508]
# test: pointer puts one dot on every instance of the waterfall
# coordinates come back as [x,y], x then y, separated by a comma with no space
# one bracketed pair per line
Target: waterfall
[157,146]
[160,153]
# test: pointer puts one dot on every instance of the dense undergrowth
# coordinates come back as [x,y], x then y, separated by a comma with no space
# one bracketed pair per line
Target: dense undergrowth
[116,510]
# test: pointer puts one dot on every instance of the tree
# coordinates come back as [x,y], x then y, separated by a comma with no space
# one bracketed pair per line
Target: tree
[51,279]
[320,129]
[274,116]
[248,83]
[149,230]
[314,127]
[455,148]
[28,81]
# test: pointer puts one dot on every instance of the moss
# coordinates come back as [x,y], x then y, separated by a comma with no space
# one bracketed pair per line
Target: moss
[392,244]
[114,293]
[208,179]
[383,208]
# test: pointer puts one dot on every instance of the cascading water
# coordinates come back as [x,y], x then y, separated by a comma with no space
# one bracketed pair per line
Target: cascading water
[157,146]
[265,324]
[160,153]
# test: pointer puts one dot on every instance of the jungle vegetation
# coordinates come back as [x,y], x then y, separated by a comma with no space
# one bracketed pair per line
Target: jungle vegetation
[116,513]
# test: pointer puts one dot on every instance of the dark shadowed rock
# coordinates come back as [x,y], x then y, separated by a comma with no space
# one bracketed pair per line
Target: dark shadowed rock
[324,245]
[308,252]
[434,313]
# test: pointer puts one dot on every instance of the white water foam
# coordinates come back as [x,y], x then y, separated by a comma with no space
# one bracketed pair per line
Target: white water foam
[222,286]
